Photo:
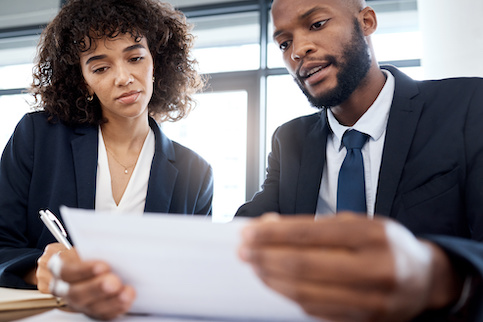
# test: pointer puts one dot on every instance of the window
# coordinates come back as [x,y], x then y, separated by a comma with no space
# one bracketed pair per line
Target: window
[285,101]
[217,130]
[229,45]
[14,80]
[249,94]
[235,37]
[12,108]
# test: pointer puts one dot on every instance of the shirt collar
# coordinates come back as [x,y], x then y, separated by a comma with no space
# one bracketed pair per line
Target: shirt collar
[373,122]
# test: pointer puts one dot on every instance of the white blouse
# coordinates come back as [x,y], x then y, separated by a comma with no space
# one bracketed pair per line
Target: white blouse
[134,197]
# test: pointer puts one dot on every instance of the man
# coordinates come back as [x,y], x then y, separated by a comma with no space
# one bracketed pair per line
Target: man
[415,251]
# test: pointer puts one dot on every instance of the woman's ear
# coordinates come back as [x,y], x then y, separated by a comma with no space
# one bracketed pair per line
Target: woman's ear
[89,90]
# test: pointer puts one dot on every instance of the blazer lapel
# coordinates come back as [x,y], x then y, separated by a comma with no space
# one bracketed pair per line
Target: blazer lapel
[402,123]
[312,164]
[163,174]
[84,151]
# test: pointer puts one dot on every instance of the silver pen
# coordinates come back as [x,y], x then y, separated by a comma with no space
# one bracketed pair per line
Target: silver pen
[55,227]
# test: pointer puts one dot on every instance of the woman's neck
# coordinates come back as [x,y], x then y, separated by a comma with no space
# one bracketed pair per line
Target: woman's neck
[125,136]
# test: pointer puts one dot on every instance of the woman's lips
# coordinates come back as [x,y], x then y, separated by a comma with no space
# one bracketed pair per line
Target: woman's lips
[129,98]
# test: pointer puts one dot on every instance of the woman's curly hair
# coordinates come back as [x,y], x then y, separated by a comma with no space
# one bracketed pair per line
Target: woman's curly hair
[59,87]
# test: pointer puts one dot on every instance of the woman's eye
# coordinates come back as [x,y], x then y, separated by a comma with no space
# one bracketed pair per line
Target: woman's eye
[99,70]
[136,59]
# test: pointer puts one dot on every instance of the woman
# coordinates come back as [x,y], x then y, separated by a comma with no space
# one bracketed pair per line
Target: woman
[106,69]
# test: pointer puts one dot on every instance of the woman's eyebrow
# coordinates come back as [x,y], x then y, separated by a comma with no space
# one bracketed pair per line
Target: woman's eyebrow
[94,58]
[127,49]
[136,46]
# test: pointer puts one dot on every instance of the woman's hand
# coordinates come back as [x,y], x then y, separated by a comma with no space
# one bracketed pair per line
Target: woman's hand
[87,286]
[43,276]
[90,287]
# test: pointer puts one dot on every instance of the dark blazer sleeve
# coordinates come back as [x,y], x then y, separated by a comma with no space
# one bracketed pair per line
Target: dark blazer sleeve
[17,253]
[466,192]
[431,178]
[38,171]
[467,258]
[45,165]
[181,181]
[193,190]
[267,199]
[294,169]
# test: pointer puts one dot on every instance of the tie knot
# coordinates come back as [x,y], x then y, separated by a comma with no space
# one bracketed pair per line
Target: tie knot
[353,139]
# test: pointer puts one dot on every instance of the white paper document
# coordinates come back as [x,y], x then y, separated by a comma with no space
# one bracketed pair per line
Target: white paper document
[179,265]
[57,315]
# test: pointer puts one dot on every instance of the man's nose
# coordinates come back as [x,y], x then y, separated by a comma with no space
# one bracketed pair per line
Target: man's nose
[301,48]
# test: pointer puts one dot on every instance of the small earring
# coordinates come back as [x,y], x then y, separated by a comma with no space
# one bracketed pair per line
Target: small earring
[90,98]
[154,79]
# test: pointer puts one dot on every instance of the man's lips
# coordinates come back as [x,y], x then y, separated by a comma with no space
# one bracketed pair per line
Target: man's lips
[310,69]
[313,73]
[129,97]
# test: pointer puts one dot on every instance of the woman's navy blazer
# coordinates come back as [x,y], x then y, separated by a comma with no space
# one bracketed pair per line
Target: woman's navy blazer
[49,164]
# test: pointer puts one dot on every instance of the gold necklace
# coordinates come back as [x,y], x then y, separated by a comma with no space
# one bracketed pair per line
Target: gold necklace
[126,171]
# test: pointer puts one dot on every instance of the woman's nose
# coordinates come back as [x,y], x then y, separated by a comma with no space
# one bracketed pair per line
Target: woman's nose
[123,77]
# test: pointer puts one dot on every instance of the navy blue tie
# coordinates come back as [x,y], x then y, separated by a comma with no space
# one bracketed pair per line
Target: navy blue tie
[351,188]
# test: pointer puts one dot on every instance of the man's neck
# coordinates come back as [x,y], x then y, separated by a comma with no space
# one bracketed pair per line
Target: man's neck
[351,110]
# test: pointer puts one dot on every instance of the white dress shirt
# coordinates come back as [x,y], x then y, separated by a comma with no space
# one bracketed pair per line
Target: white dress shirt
[134,197]
[372,123]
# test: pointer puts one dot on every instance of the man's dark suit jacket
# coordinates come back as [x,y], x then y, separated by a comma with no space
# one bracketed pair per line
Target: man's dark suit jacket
[45,165]
[431,176]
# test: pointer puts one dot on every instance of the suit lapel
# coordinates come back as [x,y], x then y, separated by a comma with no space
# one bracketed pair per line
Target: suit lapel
[311,166]
[84,151]
[402,123]
[163,174]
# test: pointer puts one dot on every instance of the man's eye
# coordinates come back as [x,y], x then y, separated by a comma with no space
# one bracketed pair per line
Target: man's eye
[318,24]
[283,46]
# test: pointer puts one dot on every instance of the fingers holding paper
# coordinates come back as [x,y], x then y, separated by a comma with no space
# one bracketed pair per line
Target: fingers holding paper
[344,267]
[94,290]
[87,286]
[43,274]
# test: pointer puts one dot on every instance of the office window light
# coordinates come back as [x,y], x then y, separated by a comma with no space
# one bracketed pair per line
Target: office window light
[249,92]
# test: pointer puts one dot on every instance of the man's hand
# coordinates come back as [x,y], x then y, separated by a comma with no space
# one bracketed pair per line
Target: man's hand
[350,268]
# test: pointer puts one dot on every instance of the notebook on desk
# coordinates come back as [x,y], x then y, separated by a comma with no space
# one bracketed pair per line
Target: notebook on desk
[18,299]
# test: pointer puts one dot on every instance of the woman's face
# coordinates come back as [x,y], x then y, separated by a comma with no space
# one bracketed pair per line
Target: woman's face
[119,71]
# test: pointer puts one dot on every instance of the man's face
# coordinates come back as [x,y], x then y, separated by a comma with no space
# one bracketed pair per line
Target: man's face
[323,47]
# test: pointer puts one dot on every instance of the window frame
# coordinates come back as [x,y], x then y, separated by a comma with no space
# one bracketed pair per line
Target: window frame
[254,82]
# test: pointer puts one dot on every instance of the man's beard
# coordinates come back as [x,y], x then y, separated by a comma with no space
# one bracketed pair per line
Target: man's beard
[352,71]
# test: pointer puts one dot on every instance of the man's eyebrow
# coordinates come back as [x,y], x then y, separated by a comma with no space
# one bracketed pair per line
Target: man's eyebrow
[304,16]
[313,10]
[127,49]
